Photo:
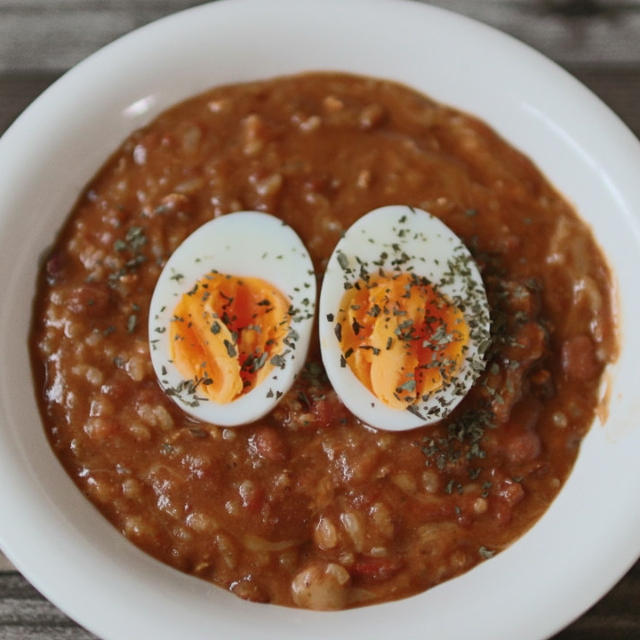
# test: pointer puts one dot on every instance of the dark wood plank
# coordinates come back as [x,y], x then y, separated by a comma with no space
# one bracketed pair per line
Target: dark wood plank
[56,34]
[618,87]
[18,90]
[24,613]
[615,617]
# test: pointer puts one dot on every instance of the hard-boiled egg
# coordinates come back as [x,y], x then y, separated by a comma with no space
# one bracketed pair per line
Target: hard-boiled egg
[404,319]
[231,317]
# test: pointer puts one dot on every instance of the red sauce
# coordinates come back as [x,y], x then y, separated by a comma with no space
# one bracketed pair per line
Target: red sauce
[309,507]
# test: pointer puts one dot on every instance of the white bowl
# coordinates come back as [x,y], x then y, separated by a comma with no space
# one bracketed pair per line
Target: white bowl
[591,533]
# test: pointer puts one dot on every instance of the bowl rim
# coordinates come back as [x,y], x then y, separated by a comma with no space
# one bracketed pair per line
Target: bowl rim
[55,97]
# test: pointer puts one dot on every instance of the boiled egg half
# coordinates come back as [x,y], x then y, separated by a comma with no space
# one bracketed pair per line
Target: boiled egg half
[403,320]
[231,316]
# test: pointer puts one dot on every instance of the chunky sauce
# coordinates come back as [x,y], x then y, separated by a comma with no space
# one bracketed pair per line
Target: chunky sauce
[308,507]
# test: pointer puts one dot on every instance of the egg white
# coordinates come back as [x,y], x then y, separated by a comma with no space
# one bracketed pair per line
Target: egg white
[249,244]
[413,240]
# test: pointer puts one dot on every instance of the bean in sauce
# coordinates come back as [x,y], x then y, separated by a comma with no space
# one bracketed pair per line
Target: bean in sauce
[308,507]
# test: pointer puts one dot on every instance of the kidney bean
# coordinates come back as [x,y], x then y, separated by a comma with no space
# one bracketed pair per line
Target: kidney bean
[521,442]
[55,268]
[269,444]
[90,299]
[511,492]
[375,569]
[579,358]
[329,410]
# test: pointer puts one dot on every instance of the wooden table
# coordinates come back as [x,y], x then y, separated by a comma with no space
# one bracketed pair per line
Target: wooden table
[597,41]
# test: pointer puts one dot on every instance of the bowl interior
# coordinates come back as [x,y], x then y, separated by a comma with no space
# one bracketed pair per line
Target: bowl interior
[54,535]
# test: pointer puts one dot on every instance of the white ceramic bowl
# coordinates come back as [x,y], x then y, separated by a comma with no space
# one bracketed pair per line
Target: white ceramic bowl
[591,533]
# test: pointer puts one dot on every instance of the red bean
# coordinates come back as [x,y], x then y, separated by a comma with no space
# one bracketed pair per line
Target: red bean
[329,410]
[90,300]
[375,569]
[252,496]
[579,358]
[55,268]
[502,512]
[117,388]
[511,492]
[521,442]
[523,447]
[270,445]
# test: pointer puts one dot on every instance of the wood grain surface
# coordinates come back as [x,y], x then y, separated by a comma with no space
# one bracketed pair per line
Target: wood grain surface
[596,40]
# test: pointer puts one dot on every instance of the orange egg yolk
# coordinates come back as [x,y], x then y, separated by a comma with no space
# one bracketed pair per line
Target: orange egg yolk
[227,334]
[400,337]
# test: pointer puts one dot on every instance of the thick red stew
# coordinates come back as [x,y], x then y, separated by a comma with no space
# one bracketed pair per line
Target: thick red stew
[308,506]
